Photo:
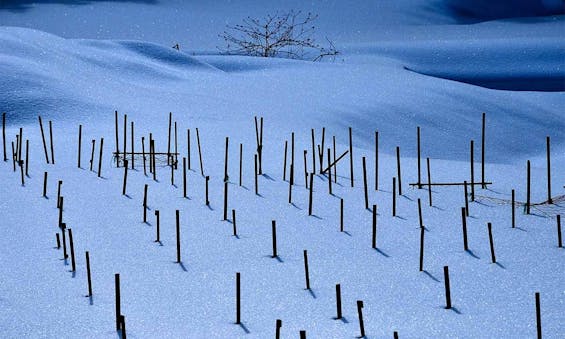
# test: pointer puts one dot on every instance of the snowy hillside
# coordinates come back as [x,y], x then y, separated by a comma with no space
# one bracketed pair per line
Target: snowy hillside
[403,64]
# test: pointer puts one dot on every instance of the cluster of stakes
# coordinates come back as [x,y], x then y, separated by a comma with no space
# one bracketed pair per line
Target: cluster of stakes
[151,160]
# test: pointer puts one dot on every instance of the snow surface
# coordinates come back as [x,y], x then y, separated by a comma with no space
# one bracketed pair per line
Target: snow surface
[378,83]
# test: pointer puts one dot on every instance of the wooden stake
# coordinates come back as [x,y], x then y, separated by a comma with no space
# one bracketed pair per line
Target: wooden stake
[21,140]
[184,177]
[420,218]
[513,209]
[274,237]
[335,166]
[238,298]
[45,184]
[528,190]
[351,155]
[151,153]
[538,315]
[100,157]
[116,129]
[73,264]
[63,229]
[178,236]
[42,138]
[313,152]
[489,225]
[92,154]
[374,242]
[329,173]
[79,143]
[549,200]
[118,308]
[466,198]
[188,146]
[58,240]
[278,329]
[233,220]
[483,152]
[169,140]
[341,215]
[464,223]
[157,221]
[284,161]
[292,159]
[472,163]
[13,157]
[429,182]
[123,326]
[290,185]
[132,147]
[199,151]
[240,164]
[305,170]
[59,183]
[145,203]
[394,197]
[4,134]
[311,187]
[422,232]
[176,157]
[60,211]
[225,200]
[365,183]
[172,174]
[22,173]
[125,177]
[338,300]
[51,140]
[302,334]
[207,200]
[256,181]
[447,287]
[306,273]
[226,177]
[559,238]
[360,313]
[419,162]
[398,170]
[321,154]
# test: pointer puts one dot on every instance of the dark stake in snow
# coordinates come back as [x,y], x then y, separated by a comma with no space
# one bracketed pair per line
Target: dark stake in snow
[259,137]
[493,257]
[256,174]
[422,232]
[59,183]
[278,326]
[374,239]
[225,201]
[178,236]
[290,184]
[158,228]
[169,140]
[240,165]
[71,244]
[559,238]
[321,149]
[125,182]
[464,224]
[63,228]
[334,154]
[125,136]
[132,147]
[351,156]
[207,201]
[483,153]
[43,139]
[188,147]
[429,182]
[466,198]
[513,209]
[528,187]
[92,154]
[398,170]
[60,211]
[274,236]
[394,197]
[361,322]
[123,326]
[143,155]
[313,152]
[100,157]
[365,189]
[58,240]
[311,188]
[305,169]
[447,287]
[538,315]
[172,174]
[79,143]
[329,173]
[226,176]
[233,220]
[419,160]
[51,141]
[118,306]
[302,334]
[338,300]
[117,137]
[88,274]
[341,215]
[27,157]
[184,177]
[145,202]
[472,165]
[238,298]
[199,152]
[420,218]
[306,272]
[292,159]
[548,150]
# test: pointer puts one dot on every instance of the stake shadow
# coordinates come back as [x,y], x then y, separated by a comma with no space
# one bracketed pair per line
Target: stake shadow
[181,264]
[244,328]
[378,250]
[472,254]
[147,223]
[210,207]
[268,177]
[236,236]
[127,196]
[454,309]
[431,276]
[399,217]
[407,197]
[343,319]
[295,206]
[90,300]
[346,232]
[312,293]
[500,265]
[317,217]
[520,229]
[158,242]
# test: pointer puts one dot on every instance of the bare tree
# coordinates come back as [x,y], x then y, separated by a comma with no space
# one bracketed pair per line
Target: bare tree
[286,35]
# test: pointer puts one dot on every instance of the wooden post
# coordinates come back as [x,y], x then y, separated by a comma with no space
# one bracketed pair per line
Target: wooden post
[306,273]
[335,165]
[365,183]
[351,155]
[61,211]
[176,157]
[58,240]
[20,146]
[45,184]
[313,152]
[559,238]
[302,334]
[398,170]
[394,197]
[420,218]
[321,153]
[274,237]
[290,184]
[158,229]
[123,326]
[184,177]
[447,287]
[199,151]
[419,162]
[92,154]
[132,147]
[4,134]
[88,275]
[188,146]
[22,173]
[172,174]
[292,159]
[233,220]
[256,181]
[360,313]
[549,200]
[178,236]
[305,170]
[51,140]
[422,232]
[278,329]
[329,172]
[341,215]
[125,177]
[59,183]
[311,188]
[226,177]
[472,163]
[63,229]
[284,161]
[42,138]
[429,182]
[483,153]
[151,153]
[528,188]
[145,203]
[13,157]
[489,226]
[376,160]
[238,298]
[338,300]
[225,200]
[116,129]
[169,139]
[374,242]
[100,157]
[118,308]
[464,223]
[71,243]
[466,198]
[513,209]
[143,155]
[207,200]
[79,143]
[240,164]
[538,315]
